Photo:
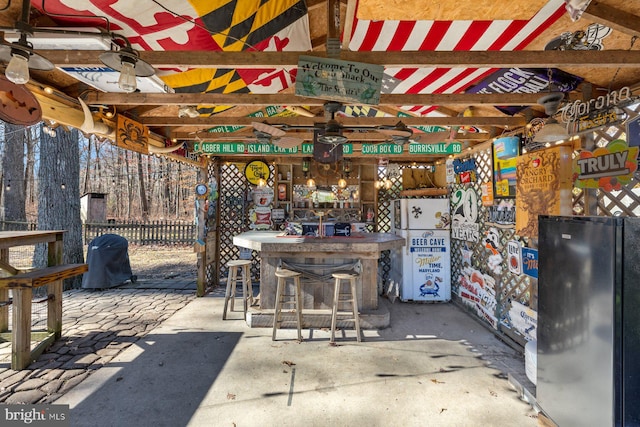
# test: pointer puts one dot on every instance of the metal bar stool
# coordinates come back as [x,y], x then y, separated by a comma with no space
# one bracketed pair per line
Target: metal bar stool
[340,297]
[232,283]
[283,298]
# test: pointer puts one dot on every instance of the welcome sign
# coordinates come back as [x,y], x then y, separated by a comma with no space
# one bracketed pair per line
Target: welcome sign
[338,80]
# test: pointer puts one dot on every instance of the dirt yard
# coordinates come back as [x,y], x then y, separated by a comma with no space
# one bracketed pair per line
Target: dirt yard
[162,262]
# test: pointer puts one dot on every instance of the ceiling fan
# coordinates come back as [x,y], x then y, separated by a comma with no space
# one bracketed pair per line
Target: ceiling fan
[329,132]
[401,134]
[265,134]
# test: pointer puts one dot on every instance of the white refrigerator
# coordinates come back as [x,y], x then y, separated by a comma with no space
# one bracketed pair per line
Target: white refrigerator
[422,268]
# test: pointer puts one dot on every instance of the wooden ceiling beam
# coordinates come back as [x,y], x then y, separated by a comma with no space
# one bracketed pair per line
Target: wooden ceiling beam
[443,59]
[112,98]
[613,18]
[346,121]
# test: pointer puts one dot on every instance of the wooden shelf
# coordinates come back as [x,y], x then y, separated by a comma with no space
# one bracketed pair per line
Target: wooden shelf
[424,192]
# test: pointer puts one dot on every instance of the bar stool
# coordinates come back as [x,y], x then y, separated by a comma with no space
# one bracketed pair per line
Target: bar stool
[341,298]
[283,298]
[232,283]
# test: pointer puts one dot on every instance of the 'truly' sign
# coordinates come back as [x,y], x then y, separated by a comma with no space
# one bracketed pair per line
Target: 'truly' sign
[608,167]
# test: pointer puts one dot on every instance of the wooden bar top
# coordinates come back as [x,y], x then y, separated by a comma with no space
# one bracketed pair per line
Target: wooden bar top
[277,241]
[10,239]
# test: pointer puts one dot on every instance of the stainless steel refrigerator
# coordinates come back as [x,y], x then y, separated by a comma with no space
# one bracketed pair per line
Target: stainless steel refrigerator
[588,357]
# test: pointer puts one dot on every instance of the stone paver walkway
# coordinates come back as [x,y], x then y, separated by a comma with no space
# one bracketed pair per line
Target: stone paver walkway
[97,325]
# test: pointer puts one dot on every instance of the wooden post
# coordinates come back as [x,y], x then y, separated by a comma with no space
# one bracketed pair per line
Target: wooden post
[21,333]
[4,296]
[201,255]
[54,308]
[55,251]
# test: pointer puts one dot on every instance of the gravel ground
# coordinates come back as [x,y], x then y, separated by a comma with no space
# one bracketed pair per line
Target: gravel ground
[162,262]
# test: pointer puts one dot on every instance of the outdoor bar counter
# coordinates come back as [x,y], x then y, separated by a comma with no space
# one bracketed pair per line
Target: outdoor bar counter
[317,258]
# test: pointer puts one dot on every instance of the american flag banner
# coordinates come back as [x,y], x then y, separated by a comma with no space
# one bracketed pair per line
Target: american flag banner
[369,35]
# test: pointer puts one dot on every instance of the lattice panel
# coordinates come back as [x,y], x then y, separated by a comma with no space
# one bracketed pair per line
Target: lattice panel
[234,214]
[625,202]
[385,197]
[508,287]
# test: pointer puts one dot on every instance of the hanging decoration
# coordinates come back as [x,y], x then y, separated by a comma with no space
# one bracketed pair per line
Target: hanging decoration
[17,104]
[255,171]
[132,135]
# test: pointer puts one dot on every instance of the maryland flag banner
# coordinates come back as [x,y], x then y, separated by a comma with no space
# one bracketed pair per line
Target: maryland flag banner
[248,24]
[215,25]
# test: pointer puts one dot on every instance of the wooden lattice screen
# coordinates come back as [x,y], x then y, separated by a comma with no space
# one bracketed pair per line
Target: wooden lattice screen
[234,214]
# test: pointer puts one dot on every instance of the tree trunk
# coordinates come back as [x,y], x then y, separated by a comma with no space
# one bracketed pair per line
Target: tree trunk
[30,178]
[143,195]
[59,197]
[87,169]
[13,171]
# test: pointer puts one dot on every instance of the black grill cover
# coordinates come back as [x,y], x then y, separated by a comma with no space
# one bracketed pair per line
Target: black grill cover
[108,260]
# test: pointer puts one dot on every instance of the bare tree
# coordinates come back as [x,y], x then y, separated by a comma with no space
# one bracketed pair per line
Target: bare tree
[143,195]
[13,174]
[29,174]
[59,196]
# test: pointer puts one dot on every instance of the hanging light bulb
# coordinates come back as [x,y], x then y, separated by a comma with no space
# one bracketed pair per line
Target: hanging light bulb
[127,81]
[311,182]
[18,69]
[342,183]
[262,182]
[387,183]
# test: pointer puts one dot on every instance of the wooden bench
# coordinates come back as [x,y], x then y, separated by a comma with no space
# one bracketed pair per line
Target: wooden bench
[22,285]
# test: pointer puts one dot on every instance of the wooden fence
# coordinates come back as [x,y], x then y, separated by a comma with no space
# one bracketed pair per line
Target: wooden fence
[145,233]
[136,232]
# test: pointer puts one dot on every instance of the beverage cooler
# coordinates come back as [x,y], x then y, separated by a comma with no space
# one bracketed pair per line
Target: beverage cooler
[588,343]
[422,268]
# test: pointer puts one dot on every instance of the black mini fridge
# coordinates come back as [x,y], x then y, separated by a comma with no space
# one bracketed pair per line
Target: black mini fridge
[588,357]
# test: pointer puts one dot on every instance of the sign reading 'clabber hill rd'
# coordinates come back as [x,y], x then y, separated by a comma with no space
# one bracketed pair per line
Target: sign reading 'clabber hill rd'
[337,80]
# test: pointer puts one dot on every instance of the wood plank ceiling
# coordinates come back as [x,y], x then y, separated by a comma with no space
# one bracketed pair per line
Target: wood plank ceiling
[463,41]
